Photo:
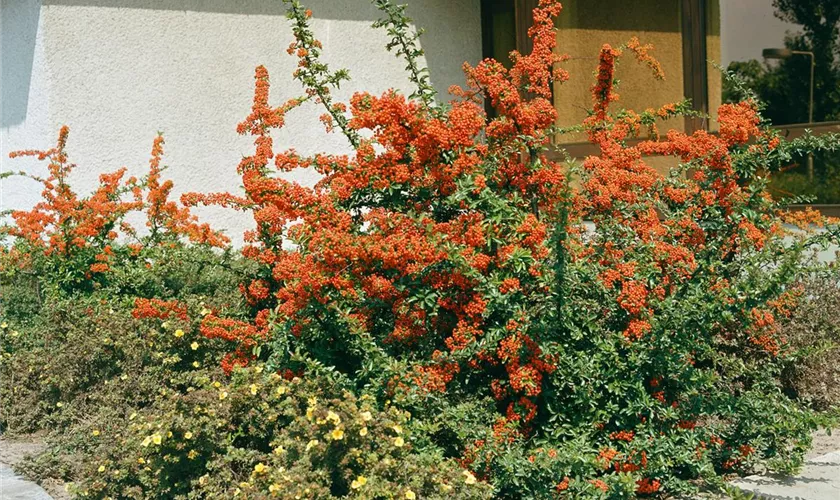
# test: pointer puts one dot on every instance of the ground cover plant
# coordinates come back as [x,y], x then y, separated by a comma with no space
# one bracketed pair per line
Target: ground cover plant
[450,311]
[813,330]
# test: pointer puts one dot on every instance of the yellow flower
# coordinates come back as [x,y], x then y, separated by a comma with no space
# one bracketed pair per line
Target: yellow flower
[244,484]
[194,346]
[469,478]
[101,468]
[273,488]
[188,435]
[222,395]
[95,432]
[179,333]
[366,416]
[397,429]
[260,468]
[254,389]
[358,482]
[337,434]
[59,405]
[156,438]
[141,460]
[192,454]
[203,480]
[281,390]
[363,431]
[196,364]
[311,444]
[279,450]
[217,384]
[147,441]
[445,488]
[4,325]
[398,442]
[409,495]
[258,368]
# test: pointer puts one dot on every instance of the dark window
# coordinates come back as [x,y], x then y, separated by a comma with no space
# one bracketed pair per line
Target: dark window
[498,29]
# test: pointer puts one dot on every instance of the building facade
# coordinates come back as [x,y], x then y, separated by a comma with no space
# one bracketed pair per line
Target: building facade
[119,71]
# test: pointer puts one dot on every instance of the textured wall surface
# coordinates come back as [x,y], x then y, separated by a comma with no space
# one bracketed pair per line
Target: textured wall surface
[118,71]
[584,26]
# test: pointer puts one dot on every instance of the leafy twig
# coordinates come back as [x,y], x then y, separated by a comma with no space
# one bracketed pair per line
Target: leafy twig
[398,26]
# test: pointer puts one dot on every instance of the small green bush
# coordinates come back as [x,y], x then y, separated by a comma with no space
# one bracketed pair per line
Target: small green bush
[256,434]
[66,353]
[813,331]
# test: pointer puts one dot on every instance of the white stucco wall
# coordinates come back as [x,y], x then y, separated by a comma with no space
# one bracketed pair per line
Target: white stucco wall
[118,71]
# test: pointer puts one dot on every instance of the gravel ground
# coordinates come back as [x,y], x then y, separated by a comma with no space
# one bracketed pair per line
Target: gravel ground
[13,450]
[823,443]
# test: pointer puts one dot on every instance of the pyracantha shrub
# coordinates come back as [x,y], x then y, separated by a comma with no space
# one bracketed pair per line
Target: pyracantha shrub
[561,330]
[73,239]
[609,330]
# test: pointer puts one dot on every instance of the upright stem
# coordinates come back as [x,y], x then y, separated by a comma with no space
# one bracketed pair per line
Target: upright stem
[811,118]
[811,96]
[560,237]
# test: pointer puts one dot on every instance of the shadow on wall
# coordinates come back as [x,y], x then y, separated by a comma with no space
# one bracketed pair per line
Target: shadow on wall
[19,22]
[18,28]
[620,15]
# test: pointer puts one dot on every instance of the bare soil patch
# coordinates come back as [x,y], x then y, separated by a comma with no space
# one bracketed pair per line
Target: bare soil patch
[13,450]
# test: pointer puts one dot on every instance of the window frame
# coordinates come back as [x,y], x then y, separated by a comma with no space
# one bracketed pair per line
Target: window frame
[694,32]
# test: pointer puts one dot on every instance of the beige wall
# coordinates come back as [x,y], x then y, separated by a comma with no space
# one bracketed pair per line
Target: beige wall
[713,55]
[585,25]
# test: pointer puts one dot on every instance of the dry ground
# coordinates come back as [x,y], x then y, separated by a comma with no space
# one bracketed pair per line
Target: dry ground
[13,450]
